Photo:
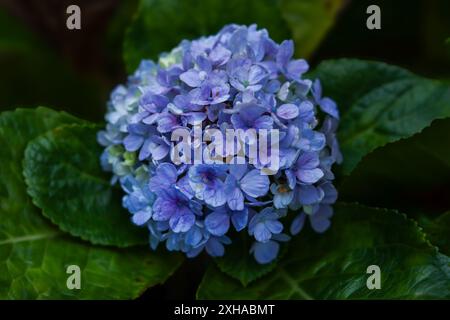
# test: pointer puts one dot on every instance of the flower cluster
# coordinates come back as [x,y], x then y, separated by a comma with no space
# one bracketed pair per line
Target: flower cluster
[237,79]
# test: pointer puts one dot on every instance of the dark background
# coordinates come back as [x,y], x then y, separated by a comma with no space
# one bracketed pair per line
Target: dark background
[44,63]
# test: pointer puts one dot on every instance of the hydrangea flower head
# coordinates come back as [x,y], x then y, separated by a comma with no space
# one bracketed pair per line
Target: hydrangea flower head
[238,79]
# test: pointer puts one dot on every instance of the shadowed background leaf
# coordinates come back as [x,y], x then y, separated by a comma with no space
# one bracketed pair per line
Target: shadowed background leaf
[240,264]
[333,265]
[412,175]
[309,21]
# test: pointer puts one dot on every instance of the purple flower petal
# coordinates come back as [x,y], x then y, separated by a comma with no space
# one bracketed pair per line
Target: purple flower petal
[329,106]
[265,252]
[255,184]
[320,221]
[256,74]
[296,68]
[141,217]
[133,142]
[160,151]
[285,52]
[261,233]
[308,160]
[274,226]
[263,122]
[240,219]
[182,222]
[145,151]
[217,223]
[288,111]
[309,195]
[297,224]
[192,78]
[214,247]
[167,122]
[309,175]
[215,196]
[235,199]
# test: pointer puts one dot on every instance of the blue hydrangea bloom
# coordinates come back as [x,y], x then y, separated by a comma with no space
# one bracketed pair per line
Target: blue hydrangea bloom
[237,79]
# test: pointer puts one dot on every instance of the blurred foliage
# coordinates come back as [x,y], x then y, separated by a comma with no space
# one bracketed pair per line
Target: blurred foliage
[309,21]
[115,34]
[32,74]
[161,24]
[412,35]
[447,43]
[305,21]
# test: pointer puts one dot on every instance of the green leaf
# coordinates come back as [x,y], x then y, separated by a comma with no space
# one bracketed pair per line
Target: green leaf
[334,265]
[310,21]
[161,24]
[412,174]
[380,104]
[347,80]
[64,177]
[34,254]
[438,230]
[240,264]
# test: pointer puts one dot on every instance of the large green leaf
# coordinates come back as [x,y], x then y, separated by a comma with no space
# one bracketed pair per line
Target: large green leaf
[34,254]
[412,174]
[64,177]
[161,24]
[380,104]
[309,21]
[334,265]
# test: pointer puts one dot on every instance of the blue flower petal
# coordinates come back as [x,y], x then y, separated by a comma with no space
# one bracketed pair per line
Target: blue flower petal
[255,184]
[265,252]
[287,111]
[320,220]
[297,224]
[217,223]
[240,219]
